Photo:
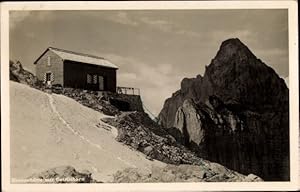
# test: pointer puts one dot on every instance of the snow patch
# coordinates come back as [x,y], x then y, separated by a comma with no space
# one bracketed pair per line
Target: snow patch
[77,133]
[52,105]
[53,130]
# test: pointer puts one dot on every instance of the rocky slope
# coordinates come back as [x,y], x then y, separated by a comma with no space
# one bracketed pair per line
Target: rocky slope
[92,100]
[211,172]
[236,114]
[138,131]
[62,174]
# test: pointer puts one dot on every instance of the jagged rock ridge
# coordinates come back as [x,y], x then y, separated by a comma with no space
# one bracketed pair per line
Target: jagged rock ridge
[237,114]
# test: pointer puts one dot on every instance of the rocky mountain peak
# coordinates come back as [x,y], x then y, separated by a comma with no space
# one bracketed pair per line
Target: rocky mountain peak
[242,117]
[233,49]
[236,75]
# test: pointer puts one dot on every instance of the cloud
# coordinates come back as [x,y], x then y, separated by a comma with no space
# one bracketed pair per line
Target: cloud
[123,18]
[127,77]
[189,33]
[158,24]
[226,34]
[168,26]
[117,59]
[16,17]
[165,69]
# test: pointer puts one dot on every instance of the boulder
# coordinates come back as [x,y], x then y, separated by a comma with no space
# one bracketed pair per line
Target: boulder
[251,178]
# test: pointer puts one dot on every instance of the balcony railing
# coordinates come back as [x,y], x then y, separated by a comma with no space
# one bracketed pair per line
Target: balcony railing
[128,90]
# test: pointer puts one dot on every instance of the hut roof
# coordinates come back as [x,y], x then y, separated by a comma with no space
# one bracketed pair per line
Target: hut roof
[80,57]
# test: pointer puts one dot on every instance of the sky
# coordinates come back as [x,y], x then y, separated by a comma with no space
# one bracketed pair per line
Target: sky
[154,49]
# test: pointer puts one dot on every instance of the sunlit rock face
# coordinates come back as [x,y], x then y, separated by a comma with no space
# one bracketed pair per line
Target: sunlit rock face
[237,114]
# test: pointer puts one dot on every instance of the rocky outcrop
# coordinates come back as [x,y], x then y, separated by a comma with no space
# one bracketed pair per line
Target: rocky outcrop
[189,121]
[62,174]
[19,74]
[209,172]
[237,114]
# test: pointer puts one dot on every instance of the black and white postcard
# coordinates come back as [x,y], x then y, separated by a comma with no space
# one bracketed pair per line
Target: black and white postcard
[149,96]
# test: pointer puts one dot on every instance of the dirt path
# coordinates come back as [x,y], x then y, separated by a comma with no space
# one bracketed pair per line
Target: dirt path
[77,133]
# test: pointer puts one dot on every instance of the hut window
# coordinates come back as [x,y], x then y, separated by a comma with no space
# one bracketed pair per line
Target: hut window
[89,79]
[95,79]
[49,61]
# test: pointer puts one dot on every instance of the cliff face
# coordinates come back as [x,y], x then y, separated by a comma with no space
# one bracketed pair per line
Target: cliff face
[237,114]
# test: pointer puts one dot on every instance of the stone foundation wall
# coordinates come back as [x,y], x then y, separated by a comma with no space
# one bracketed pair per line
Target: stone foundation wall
[135,101]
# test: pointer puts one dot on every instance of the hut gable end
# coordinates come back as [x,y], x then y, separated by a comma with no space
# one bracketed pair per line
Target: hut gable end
[50,63]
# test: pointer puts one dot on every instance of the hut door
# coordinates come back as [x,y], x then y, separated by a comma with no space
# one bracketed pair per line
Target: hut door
[101,83]
[48,78]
